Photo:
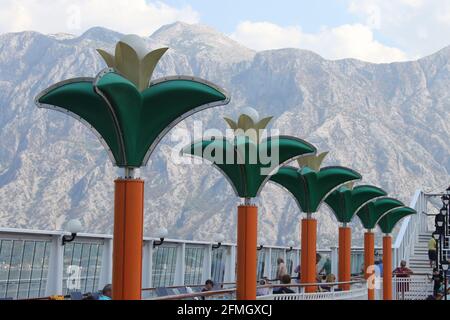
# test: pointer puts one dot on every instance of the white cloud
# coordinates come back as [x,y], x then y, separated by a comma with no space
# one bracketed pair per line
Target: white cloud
[417,26]
[346,41]
[266,35]
[75,16]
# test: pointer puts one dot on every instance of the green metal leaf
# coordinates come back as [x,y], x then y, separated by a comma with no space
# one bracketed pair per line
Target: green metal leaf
[346,202]
[245,172]
[130,122]
[390,220]
[372,212]
[311,188]
[77,98]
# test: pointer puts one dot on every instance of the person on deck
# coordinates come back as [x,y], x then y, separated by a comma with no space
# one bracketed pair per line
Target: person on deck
[297,270]
[432,246]
[262,291]
[209,286]
[286,280]
[402,271]
[437,279]
[281,269]
[106,293]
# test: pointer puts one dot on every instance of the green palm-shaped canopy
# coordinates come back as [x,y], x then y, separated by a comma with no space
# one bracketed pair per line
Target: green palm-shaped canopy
[309,187]
[346,202]
[130,122]
[390,220]
[246,164]
[372,212]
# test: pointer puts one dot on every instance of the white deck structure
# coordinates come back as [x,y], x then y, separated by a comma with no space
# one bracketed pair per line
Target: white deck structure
[35,264]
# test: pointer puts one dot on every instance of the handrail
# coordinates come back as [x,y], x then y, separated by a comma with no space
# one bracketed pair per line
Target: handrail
[410,229]
[188,285]
[355,279]
[196,295]
[271,286]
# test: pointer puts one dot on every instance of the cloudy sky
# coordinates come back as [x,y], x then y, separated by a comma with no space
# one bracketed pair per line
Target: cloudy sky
[370,30]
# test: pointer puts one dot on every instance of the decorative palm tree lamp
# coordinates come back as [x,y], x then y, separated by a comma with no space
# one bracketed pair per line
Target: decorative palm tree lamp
[242,163]
[130,115]
[369,216]
[387,225]
[310,186]
[345,203]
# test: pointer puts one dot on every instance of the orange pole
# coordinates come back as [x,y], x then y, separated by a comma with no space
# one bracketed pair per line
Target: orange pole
[308,255]
[369,261]
[345,251]
[247,235]
[387,268]
[128,237]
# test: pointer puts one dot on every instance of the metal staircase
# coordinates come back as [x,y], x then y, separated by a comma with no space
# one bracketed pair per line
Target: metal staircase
[412,240]
[419,262]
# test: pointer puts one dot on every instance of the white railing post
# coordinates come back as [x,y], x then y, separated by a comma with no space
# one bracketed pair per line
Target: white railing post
[207,261]
[55,267]
[106,265]
[334,260]
[230,265]
[181,265]
[147,264]
[268,263]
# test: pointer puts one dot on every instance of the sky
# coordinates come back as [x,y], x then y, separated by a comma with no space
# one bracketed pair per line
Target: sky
[377,31]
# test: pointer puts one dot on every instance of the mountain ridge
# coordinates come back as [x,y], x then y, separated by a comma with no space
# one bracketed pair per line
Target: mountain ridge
[388,121]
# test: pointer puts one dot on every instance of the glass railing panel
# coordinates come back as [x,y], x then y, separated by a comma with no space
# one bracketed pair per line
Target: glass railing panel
[194,257]
[15,265]
[290,261]
[23,266]
[261,263]
[5,261]
[357,263]
[82,265]
[218,265]
[164,266]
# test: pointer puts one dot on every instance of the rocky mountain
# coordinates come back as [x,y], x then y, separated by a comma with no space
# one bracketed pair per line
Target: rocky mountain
[390,122]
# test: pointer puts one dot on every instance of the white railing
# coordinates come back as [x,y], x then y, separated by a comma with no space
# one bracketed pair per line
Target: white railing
[410,229]
[415,287]
[177,271]
[354,294]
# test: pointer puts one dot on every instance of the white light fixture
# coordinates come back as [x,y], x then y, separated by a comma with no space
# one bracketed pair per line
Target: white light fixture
[262,243]
[291,245]
[440,218]
[218,238]
[446,200]
[74,226]
[161,233]
[444,265]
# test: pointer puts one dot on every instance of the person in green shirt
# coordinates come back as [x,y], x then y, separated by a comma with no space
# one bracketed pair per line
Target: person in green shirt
[432,251]
[326,267]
